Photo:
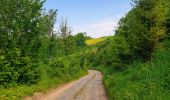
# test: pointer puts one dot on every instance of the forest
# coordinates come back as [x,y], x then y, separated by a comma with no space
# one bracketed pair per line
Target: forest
[36,57]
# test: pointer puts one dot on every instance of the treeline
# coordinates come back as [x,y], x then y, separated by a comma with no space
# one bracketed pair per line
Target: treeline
[30,49]
[139,34]
[135,60]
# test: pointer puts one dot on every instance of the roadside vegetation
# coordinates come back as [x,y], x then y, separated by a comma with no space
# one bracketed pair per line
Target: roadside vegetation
[34,57]
[141,80]
[135,61]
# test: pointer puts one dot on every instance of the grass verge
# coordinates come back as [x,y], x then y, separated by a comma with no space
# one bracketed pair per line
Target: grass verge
[17,93]
[140,81]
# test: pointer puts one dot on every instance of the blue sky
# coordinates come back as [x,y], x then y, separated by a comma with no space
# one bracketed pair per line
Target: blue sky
[96,17]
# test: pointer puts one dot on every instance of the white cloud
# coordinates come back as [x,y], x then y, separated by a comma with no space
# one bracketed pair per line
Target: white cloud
[101,28]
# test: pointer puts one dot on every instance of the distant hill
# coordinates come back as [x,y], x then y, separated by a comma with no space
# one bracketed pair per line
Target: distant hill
[94,41]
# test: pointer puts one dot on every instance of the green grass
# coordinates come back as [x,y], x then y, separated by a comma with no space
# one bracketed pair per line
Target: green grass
[141,81]
[95,41]
[19,92]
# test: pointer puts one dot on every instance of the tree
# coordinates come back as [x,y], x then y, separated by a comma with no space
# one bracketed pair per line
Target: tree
[65,35]
[114,52]
[23,28]
[144,27]
[80,39]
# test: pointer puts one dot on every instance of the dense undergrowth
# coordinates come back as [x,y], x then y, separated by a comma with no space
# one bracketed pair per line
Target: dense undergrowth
[52,75]
[18,92]
[33,56]
[140,81]
[135,61]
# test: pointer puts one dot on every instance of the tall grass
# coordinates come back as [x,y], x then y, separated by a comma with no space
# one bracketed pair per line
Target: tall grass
[141,81]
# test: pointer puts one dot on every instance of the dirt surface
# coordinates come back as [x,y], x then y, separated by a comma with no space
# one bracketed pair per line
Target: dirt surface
[89,87]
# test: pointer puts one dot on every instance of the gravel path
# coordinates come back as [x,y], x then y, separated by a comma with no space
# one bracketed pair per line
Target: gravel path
[89,87]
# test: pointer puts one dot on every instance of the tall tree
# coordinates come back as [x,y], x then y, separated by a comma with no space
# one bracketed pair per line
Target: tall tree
[23,25]
[144,27]
[65,33]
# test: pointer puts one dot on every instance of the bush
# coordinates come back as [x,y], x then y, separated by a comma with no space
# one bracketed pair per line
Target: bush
[112,52]
[148,81]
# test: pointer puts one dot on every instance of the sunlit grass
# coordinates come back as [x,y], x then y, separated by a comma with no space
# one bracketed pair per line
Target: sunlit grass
[95,41]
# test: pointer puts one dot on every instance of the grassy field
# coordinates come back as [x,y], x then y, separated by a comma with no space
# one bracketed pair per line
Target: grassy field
[95,41]
[141,81]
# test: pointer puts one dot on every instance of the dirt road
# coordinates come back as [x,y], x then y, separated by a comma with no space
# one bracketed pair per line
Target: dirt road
[89,87]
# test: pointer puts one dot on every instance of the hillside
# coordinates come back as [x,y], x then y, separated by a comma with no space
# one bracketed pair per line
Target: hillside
[94,41]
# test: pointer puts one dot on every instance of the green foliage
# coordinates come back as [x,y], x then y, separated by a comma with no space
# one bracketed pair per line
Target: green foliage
[17,93]
[138,35]
[146,81]
[117,51]
[144,27]
[80,39]
[54,73]
[135,61]
[19,40]
[33,56]
[113,52]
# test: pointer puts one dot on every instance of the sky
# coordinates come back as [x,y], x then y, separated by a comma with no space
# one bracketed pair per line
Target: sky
[97,18]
